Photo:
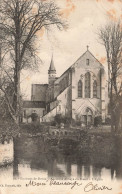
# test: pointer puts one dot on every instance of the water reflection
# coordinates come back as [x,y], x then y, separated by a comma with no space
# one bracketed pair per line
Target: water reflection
[30,160]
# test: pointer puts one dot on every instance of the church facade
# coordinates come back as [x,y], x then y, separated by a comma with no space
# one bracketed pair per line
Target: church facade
[79,93]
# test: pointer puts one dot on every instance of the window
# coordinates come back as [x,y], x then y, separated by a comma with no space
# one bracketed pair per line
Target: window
[87,85]
[95,89]
[80,88]
[87,61]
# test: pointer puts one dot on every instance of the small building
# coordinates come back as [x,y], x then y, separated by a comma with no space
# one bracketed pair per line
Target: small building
[30,107]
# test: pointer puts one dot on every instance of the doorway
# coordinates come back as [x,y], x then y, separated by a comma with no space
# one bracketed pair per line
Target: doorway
[87,118]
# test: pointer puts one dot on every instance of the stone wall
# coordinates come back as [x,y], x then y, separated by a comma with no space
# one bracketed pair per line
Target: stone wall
[65,103]
[96,71]
[62,83]
[49,116]
[63,106]
[38,92]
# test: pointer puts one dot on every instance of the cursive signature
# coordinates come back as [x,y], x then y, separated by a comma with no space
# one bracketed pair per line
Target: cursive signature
[90,187]
[54,182]
[87,188]
[34,183]
[71,183]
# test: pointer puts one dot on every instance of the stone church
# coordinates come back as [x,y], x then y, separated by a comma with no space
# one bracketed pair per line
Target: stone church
[79,93]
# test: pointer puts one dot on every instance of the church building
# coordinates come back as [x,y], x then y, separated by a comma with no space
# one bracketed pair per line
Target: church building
[79,93]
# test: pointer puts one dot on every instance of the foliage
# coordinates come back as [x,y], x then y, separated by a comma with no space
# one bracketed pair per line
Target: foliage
[8,130]
[107,121]
[97,121]
[33,128]
[62,119]
[20,21]
[53,123]
[73,122]
[111,37]
[34,116]
[78,123]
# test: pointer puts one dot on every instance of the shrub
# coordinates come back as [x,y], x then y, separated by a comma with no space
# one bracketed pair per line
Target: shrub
[57,119]
[8,130]
[34,117]
[32,128]
[78,123]
[62,119]
[97,121]
[108,121]
[53,123]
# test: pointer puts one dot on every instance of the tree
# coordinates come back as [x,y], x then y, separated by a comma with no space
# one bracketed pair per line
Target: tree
[20,20]
[111,37]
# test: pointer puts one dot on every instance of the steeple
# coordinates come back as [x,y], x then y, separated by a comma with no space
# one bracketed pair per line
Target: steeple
[51,72]
[52,67]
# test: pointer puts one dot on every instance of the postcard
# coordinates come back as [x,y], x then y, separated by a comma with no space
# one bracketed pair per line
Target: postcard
[60,97]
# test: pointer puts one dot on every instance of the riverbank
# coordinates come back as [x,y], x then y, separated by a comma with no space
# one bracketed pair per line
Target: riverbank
[65,140]
[36,128]
[75,138]
[41,149]
[100,151]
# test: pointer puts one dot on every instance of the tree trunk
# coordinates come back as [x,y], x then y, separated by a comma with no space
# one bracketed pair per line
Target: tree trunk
[16,101]
[111,107]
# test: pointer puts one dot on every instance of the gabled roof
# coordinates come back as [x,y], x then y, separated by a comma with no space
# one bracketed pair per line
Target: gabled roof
[87,52]
[75,63]
[41,85]
[33,104]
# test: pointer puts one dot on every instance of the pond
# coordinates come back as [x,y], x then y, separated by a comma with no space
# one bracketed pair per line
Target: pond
[34,158]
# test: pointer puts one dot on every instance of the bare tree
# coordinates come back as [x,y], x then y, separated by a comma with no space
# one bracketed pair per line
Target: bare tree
[111,37]
[20,20]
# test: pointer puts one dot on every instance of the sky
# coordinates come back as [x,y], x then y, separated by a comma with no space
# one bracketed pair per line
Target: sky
[84,18]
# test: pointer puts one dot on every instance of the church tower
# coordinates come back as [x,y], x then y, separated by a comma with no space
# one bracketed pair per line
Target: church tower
[51,73]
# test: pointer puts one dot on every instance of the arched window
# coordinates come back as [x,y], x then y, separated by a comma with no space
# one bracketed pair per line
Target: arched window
[87,85]
[95,89]
[80,89]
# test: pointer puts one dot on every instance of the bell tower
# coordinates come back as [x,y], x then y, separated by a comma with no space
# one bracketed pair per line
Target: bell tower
[51,73]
